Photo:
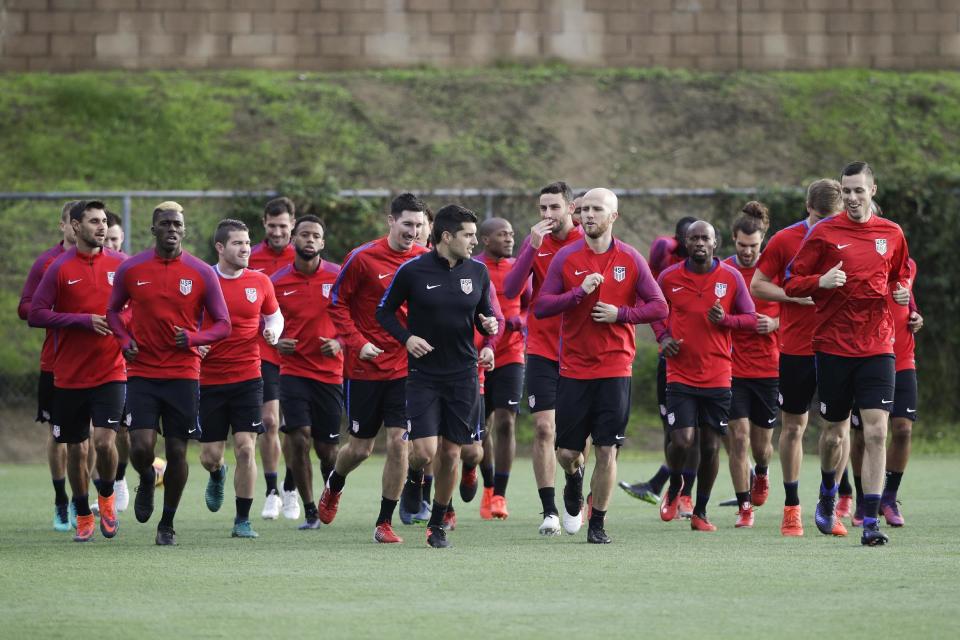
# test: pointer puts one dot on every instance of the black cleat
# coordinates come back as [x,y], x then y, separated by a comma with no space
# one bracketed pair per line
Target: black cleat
[437,537]
[468,484]
[596,535]
[872,536]
[573,493]
[166,536]
[411,496]
[641,491]
[143,503]
[729,502]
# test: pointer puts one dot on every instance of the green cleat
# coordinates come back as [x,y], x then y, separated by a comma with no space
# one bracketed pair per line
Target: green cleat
[214,493]
[243,529]
[61,521]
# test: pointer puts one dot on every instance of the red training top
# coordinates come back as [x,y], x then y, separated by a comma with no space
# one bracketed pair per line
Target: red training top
[663,254]
[510,347]
[26,297]
[904,343]
[755,355]
[267,261]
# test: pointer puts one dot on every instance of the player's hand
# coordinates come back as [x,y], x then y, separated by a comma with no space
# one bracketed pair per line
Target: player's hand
[180,337]
[490,325]
[330,346]
[901,295]
[915,322]
[286,346]
[670,347]
[131,352]
[418,347]
[803,302]
[369,351]
[270,336]
[603,312]
[591,282]
[539,231]
[203,349]
[833,278]
[514,323]
[766,324]
[100,326]
[715,314]
[486,358]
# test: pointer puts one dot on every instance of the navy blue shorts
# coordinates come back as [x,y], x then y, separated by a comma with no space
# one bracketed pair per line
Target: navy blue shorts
[235,405]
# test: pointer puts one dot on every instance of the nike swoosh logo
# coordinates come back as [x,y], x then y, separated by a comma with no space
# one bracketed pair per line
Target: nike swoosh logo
[289,293]
[140,284]
[843,246]
[109,421]
[544,255]
[578,272]
[675,289]
[911,410]
[512,402]
[619,437]
[771,420]
[432,286]
[885,401]
[74,281]
[257,424]
[384,275]
[334,436]
[194,430]
[723,424]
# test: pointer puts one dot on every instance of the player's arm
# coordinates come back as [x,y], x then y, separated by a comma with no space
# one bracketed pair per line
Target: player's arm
[30,287]
[805,276]
[491,340]
[270,312]
[650,304]
[762,286]
[42,313]
[519,321]
[119,296]
[216,309]
[339,309]
[552,300]
[900,274]
[660,252]
[514,282]
[394,297]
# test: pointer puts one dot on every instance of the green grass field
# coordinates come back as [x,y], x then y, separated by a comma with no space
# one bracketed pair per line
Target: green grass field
[500,580]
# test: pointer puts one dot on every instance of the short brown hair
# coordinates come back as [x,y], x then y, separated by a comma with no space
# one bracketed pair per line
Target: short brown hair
[278,207]
[823,196]
[753,217]
[225,228]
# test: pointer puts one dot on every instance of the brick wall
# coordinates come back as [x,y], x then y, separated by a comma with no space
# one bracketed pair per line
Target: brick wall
[68,35]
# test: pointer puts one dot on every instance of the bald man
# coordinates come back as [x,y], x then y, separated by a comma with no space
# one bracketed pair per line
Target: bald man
[601,287]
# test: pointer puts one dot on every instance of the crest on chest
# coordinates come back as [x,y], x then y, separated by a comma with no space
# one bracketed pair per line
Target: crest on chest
[186,286]
[251,293]
[110,275]
[327,287]
[619,274]
[466,285]
[720,289]
[881,245]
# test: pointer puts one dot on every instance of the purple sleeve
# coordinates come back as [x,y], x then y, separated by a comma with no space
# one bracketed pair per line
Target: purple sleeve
[30,286]
[743,313]
[650,305]
[216,307]
[513,284]
[552,299]
[659,327]
[44,299]
[660,252]
[118,300]
[491,341]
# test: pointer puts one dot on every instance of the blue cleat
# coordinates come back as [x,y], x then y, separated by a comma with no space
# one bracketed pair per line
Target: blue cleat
[423,515]
[405,516]
[61,520]
[73,515]
[243,529]
[872,536]
[310,524]
[214,494]
[824,515]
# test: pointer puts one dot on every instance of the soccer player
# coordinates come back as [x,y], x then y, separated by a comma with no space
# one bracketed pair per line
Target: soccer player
[376,366]
[268,257]
[114,241]
[169,291]
[114,238]
[311,361]
[89,374]
[850,264]
[753,406]
[231,390]
[601,288]
[447,296]
[554,231]
[56,452]
[708,301]
[797,370]
[504,384]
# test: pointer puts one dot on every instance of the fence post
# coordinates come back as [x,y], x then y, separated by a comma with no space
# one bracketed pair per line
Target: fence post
[489,200]
[127,232]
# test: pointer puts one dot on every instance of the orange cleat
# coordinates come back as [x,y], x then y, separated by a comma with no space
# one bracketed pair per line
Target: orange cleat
[485,503]
[701,524]
[843,506]
[498,508]
[686,506]
[85,528]
[759,490]
[384,534]
[792,526]
[108,516]
[449,521]
[744,517]
[838,529]
[668,507]
[328,504]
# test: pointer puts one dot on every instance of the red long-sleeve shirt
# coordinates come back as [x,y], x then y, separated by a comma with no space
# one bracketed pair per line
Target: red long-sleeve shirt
[237,357]
[164,294]
[305,303]
[267,261]
[37,270]
[663,254]
[705,359]
[755,355]
[590,349]
[74,287]
[904,343]
[364,277]
[853,320]
[511,344]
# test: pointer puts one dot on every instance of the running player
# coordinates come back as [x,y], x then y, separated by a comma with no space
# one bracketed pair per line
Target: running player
[798,377]
[554,231]
[447,296]
[268,257]
[708,301]
[121,492]
[169,291]
[311,361]
[850,264]
[231,390]
[89,374]
[601,288]
[56,452]
[753,407]
[376,366]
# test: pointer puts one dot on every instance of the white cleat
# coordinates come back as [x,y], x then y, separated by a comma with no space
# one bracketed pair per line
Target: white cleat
[550,525]
[291,505]
[272,506]
[572,524]
[121,495]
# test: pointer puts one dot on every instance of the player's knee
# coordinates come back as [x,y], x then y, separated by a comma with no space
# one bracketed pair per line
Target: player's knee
[874,438]
[682,438]
[901,430]
[543,429]
[244,452]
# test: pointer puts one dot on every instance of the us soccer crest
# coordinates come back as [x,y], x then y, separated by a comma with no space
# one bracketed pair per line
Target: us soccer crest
[466,285]
[881,244]
[720,289]
[326,289]
[186,286]
[251,294]
[110,275]
[619,273]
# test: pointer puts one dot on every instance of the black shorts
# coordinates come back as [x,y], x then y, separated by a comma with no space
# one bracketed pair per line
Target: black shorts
[45,396]
[868,382]
[798,383]
[597,408]
[905,398]
[311,403]
[170,406]
[480,420]
[75,409]
[371,403]
[695,407]
[445,408]
[756,399]
[270,374]
[542,376]
[236,405]
[662,391]
[504,388]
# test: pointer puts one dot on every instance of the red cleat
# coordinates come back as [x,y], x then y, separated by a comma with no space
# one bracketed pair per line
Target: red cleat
[327,507]
[838,529]
[498,508]
[468,483]
[449,521]
[891,513]
[701,524]
[384,534]
[843,506]
[792,525]
[485,502]
[668,507]
[108,516]
[686,507]
[744,517]
[85,528]
[759,490]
